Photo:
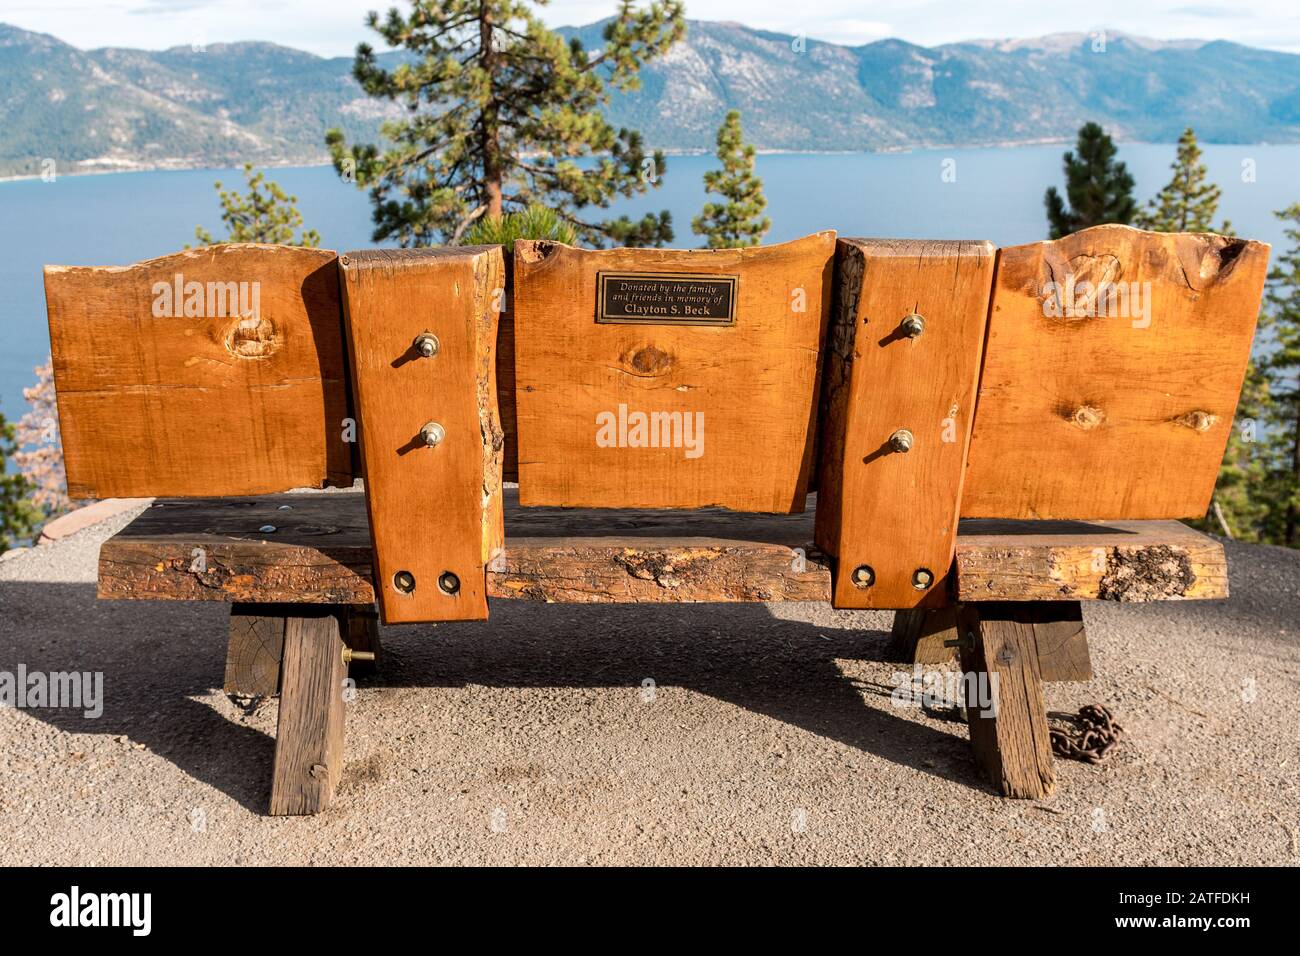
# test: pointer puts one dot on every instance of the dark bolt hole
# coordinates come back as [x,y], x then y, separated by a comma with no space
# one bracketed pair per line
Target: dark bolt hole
[863,576]
[448,583]
[404,581]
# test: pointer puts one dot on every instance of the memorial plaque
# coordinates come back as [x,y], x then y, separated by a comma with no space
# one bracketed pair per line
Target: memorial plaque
[664,298]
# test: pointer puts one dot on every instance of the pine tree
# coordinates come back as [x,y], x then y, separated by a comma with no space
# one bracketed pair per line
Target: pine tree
[260,216]
[1241,507]
[535,222]
[1188,203]
[735,222]
[499,109]
[18,516]
[1098,188]
[1282,367]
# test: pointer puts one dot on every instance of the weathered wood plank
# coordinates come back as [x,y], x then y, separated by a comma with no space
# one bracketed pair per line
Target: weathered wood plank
[320,553]
[1061,641]
[919,635]
[1076,560]
[735,404]
[1120,404]
[902,365]
[431,438]
[254,651]
[235,384]
[309,736]
[1007,718]
[923,636]
[361,633]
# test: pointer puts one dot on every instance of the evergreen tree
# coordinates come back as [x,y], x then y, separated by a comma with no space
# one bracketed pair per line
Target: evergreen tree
[18,516]
[1282,367]
[735,222]
[499,108]
[535,222]
[1098,188]
[1241,507]
[1188,203]
[260,216]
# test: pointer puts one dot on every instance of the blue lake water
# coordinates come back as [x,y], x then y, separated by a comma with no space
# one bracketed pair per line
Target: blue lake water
[997,194]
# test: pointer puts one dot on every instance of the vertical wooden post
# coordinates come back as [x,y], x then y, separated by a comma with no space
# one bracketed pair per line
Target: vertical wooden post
[360,628]
[898,398]
[422,326]
[309,738]
[1004,705]
[255,649]
[919,635]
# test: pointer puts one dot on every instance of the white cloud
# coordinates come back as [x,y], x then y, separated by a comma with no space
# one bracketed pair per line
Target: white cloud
[334,27]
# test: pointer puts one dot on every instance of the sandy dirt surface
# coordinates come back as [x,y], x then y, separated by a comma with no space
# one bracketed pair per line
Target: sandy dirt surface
[767,736]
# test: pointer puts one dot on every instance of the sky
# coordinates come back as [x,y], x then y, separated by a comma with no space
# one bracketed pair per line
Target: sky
[334,27]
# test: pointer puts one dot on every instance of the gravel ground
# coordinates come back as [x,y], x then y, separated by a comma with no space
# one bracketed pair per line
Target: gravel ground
[768,736]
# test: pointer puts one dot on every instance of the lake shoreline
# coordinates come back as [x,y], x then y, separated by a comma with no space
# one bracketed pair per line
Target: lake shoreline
[702,151]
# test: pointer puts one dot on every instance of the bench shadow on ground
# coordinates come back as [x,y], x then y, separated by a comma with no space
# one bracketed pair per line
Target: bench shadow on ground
[158,657]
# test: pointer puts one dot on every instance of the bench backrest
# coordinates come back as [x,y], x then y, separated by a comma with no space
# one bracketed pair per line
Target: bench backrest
[910,382]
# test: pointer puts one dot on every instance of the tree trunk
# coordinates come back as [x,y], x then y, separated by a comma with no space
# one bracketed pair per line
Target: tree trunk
[491,144]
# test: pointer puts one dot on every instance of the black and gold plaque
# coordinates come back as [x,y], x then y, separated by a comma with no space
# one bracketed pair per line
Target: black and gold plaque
[665,298]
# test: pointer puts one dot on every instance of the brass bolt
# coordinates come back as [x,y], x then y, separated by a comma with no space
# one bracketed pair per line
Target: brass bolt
[913,325]
[922,578]
[863,576]
[901,440]
[350,655]
[432,434]
[427,344]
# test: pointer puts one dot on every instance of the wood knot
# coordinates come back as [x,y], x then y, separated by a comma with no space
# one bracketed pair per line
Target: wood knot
[1198,421]
[1087,417]
[252,338]
[535,251]
[650,361]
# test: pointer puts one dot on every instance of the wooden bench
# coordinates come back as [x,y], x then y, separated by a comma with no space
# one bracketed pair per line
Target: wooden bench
[1019,584]
[978,439]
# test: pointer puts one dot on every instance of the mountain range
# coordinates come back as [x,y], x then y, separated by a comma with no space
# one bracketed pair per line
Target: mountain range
[226,104]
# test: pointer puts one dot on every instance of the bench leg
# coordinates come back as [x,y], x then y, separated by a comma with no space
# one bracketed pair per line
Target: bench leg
[1004,698]
[257,644]
[1060,641]
[918,636]
[361,633]
[254,652]
[309,738]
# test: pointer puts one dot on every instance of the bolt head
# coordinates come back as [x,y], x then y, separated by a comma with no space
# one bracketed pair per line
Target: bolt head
[863,576]
[404,581]
[922,578]
[913,325]
[901,441]
[426,343]
[432,434]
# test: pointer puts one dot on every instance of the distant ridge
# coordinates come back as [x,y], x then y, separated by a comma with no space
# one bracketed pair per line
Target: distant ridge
[230,103]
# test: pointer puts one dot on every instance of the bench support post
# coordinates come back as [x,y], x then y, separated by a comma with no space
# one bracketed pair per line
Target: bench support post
[256,644]
[922,637]
[309,737]
[1004,698]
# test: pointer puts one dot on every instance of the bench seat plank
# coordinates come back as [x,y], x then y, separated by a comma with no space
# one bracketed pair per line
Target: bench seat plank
[319,552]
